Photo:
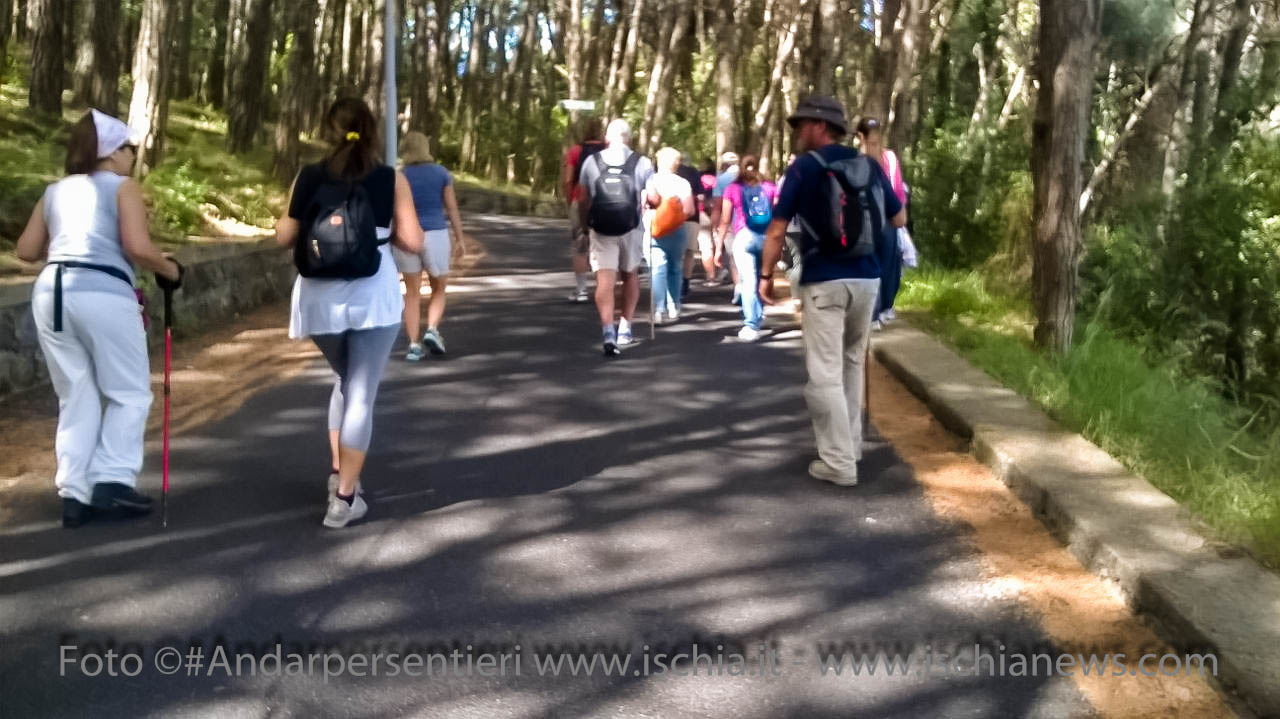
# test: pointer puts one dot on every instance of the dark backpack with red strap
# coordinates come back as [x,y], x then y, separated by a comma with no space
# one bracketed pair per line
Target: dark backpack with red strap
[851,219]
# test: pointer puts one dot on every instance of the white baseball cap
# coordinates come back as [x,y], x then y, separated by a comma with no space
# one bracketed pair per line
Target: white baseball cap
[730,158]
[112,134]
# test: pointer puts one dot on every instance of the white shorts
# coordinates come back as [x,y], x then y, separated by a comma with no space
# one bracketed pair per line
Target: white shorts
[434,257]
[619,253]
[691,230]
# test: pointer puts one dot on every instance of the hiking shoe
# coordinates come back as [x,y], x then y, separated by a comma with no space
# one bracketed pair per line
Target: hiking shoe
[434,342]
[611,349]
[748,334]
[120,496]
[415,353]
[333,485]
[341,514]
[819,469]
[75,513]
[577,297]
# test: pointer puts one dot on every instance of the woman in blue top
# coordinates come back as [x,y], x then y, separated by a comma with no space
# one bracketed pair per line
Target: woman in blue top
[91,226]
[432,188]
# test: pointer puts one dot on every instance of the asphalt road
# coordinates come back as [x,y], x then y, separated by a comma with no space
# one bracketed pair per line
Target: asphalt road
[526,492]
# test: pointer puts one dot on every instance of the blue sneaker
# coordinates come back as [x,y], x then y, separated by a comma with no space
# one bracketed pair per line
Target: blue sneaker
[415,353]
[434,341]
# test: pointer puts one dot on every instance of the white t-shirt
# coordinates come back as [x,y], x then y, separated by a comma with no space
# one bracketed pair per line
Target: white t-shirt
[666,184]
[329,307]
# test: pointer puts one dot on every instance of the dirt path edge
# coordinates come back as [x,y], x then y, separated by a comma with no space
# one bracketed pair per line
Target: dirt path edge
[1203,596]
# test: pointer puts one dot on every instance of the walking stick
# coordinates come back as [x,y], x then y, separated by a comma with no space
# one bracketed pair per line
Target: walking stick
[168,368]
[653,301]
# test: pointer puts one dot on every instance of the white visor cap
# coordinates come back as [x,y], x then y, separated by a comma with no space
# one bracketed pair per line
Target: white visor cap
[112,134]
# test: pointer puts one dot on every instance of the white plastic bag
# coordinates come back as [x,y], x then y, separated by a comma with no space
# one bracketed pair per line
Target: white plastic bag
[910,258]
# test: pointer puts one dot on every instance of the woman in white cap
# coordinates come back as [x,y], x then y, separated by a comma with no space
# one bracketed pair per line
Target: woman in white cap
[91,226]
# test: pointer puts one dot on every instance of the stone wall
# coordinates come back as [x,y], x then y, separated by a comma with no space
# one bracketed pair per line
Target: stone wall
[222,280]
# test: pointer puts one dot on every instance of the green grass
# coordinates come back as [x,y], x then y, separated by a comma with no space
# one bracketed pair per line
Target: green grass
[1178,432]
[197,190]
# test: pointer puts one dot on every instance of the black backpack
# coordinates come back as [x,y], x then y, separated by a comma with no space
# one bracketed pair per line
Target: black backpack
[340,236]
[615,204]
[850,223]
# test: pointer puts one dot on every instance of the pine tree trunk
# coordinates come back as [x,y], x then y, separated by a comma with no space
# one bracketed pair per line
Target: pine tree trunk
[374,81]
[667,77]
[97,75]
[236,19]
[298,89]
[1069,31]
[572,10]
[726,66]
[620,89]
[182,80]
[45,93]
[149,106]
[215,86]
[6,22]
[245,103]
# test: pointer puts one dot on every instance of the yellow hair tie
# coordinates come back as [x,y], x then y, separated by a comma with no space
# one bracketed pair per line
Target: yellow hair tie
[353,136]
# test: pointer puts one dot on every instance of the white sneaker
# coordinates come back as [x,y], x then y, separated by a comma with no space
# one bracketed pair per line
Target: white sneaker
[876,326]
[888,315]
[821,470]
[747,334]
[673,315]
[625,339]
[333,485]
[341,514]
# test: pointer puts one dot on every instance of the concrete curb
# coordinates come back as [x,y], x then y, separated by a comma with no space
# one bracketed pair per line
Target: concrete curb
[1206,597]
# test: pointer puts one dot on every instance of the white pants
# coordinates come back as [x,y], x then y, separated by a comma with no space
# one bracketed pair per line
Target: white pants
[100,371]
[836,325]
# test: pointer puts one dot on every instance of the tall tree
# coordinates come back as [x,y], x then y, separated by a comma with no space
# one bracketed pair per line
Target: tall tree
[298,88]
[623,70]
[1069,31]
[97,76]
[149,106]
[6,22]
[45,90]
[373,82]
[244,104]
[215,84]
[182,69]
[726,65]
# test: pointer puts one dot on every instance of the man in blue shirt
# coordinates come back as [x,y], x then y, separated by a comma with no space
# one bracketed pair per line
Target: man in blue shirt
[838,295]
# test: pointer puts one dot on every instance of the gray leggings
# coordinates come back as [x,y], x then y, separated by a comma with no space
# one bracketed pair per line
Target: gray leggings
[359,357]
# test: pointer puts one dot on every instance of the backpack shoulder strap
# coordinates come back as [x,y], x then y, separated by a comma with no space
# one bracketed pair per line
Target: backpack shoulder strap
[633,160]
[821,161]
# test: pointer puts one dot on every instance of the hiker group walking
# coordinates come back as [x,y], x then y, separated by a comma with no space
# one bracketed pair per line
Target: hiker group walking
[357,228]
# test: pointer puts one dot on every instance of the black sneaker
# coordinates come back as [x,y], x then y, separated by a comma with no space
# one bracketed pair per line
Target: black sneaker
[74,513]
[117,496]
[611,349]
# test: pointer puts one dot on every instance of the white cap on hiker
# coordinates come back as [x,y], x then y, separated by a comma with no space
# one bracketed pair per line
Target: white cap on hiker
[729,158]
[112,134]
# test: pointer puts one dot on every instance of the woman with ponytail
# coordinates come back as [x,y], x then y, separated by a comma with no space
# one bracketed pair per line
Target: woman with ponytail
[748,204]
[354,322]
